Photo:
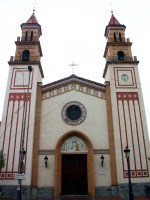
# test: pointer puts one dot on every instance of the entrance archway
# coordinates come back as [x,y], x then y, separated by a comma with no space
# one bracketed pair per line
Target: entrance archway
[83,160]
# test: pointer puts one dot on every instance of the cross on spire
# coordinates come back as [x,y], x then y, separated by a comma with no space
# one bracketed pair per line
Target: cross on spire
[110,4]
[34,6]
[73,65]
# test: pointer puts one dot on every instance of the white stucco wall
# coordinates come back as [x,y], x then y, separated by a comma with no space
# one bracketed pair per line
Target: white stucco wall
[133,85]
[53,127]
[16,77]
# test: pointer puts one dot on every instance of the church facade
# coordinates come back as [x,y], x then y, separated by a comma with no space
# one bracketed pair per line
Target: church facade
[67,138]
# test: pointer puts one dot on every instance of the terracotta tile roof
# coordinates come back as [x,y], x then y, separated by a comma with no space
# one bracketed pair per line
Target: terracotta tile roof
[32,20]
[113,21]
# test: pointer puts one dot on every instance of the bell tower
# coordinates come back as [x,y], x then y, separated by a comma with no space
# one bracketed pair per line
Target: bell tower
[117,47]
[28,48]
[127,114]
[21,104]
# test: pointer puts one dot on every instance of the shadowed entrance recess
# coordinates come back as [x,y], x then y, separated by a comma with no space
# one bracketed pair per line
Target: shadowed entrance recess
[74,174]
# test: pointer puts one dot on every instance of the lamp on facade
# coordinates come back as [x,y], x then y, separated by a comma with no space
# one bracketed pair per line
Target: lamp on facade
[46,161]
[102,161]
[127,156]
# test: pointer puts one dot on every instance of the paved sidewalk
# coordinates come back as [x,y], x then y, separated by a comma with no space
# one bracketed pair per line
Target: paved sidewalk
[135,198]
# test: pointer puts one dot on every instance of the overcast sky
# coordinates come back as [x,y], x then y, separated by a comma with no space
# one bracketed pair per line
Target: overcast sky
[73,31]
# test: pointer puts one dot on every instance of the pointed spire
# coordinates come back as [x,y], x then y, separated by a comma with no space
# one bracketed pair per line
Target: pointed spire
[113,22]
[32,19]
[32,22]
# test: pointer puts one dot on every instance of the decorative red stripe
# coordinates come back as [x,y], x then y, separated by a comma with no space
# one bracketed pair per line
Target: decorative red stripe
[15,136]
[132,96]
[132,135]
[137,135]
[27,135]
[120,135]
[10,134]
[21,134]
[5,126]
[14,97]
[143,135]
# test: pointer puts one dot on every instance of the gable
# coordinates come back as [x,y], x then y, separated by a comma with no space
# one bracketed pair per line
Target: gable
[73,83]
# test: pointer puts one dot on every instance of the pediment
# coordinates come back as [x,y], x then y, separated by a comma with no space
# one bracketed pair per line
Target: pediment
[70,83]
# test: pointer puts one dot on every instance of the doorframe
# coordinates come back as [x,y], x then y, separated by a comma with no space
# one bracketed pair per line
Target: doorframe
[58,163]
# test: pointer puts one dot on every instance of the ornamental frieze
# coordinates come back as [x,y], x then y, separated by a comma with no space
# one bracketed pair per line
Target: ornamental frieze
[77,87]
[52,151]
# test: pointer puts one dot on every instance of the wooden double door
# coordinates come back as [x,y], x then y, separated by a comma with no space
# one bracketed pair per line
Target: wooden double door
[74,174]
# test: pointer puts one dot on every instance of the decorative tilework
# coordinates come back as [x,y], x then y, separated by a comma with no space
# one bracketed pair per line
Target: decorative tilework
[52,151]
[136,173]
[101,151]
[46,152]
[73,122]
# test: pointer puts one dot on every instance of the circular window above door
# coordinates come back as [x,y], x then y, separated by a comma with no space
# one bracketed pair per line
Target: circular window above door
[73,113]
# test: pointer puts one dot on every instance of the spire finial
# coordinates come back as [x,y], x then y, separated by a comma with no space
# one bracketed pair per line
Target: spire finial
[34,7]
[33,11]
[111,8]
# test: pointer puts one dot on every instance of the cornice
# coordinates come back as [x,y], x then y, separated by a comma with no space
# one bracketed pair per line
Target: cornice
[118,63]
[28,63]
[73,79]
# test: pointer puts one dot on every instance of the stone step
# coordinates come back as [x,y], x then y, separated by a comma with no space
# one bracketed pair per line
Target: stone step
[135,198]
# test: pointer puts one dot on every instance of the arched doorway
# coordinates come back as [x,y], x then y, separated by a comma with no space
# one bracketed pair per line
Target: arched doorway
[73,162]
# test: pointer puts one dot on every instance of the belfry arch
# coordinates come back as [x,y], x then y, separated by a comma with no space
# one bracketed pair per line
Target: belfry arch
[58,163]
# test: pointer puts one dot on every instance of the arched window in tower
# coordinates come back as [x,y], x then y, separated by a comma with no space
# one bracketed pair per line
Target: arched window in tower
[25,55]
[120,55]
[120,38]
[26,36]
[115,39]
[31,36]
